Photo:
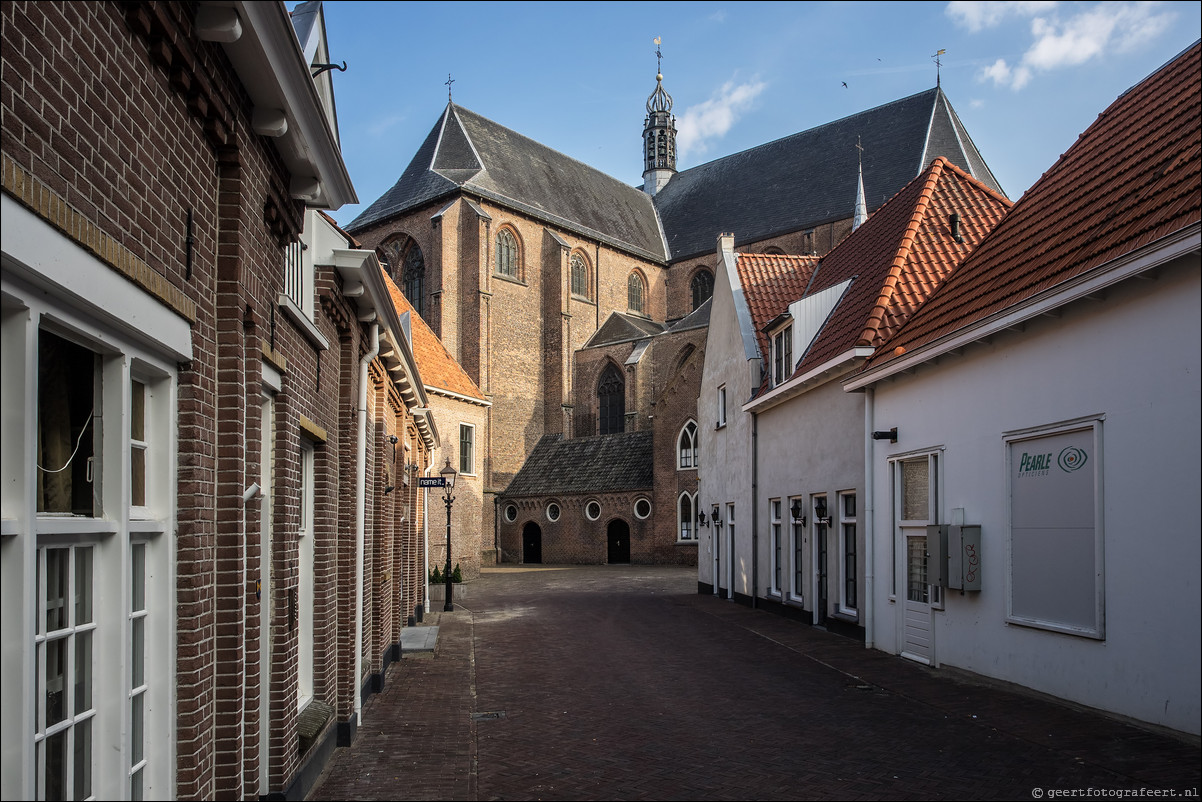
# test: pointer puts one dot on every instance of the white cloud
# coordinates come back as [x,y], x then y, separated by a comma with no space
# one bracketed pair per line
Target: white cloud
[380,127]
[978,14]
[699,125]
[1069,42]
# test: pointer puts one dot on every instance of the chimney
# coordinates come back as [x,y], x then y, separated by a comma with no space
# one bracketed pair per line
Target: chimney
[954,220]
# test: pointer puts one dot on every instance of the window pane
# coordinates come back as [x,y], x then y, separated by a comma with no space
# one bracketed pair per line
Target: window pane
[136,731]
[916,494]
[66,434]
[83,585]
[135,786]
[137,417]
[137,475]
[916,584]
[56,657]
[137,652]
[83,672]
[83,759]
[56,766]
[137,577]
[56,588]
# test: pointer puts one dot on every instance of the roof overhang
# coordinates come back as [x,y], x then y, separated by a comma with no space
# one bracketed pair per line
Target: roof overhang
[261,44]
[1181,243]
[363,280]
[832,369]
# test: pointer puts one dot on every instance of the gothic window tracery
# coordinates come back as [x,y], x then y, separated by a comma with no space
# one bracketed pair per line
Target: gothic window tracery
[635,293]
[507,254]
[611,398]
[579,269]
[702,287]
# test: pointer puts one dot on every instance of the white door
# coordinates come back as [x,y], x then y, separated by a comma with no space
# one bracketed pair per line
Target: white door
[915,506]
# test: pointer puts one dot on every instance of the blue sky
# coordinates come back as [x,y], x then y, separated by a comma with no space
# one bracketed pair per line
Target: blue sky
[1026,78]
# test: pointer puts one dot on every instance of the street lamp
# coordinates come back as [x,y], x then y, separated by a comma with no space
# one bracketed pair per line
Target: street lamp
[448,475]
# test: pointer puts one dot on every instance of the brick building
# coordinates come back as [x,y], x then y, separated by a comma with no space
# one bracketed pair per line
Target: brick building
[560,290]
[206,556]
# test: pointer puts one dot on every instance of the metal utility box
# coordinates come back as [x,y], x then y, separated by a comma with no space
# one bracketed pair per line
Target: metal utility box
[937,555]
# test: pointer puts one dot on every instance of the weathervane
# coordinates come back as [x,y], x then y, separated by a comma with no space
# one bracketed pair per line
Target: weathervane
[659,57]
[450,81]
[938,64]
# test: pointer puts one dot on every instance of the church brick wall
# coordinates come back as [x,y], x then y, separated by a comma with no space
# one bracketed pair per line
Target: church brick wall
[574,539]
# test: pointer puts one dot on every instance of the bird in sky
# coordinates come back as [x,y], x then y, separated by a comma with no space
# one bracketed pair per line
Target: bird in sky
[845,84]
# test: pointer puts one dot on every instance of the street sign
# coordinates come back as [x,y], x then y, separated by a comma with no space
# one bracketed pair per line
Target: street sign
[431,481]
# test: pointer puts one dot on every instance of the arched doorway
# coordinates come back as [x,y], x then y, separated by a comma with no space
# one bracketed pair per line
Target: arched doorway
[618,535]
[532,543]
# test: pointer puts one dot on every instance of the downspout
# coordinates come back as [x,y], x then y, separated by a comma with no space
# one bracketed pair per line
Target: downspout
[869,523]
[755,506]
[426,538]
[361,508]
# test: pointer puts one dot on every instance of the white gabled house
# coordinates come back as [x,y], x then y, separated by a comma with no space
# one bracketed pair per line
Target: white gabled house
[1036,519]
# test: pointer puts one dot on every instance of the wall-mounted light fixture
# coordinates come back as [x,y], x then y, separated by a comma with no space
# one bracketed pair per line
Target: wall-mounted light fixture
[701,519]
[890,435]
[714,513]
[820,516]
[798,514]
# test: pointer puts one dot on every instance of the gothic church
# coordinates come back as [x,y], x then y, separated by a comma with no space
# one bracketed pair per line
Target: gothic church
[578,304]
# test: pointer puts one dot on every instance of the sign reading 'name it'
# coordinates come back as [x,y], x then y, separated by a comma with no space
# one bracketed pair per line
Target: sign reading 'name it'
[431,481]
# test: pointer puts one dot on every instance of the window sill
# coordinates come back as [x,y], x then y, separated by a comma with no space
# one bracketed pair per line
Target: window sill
[8,526]
[690,542]
[304,323]
[584,299]
[71,524]
[510,279]
[848,618]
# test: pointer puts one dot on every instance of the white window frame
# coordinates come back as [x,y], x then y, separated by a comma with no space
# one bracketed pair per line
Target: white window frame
[306,547]
[115,529]
[637,502]
[471,450]
[775,546]
[845,521]
[558,511]
[721,407]
[686,533]
[935,469]
[782,354]
[686,447]
[797,546]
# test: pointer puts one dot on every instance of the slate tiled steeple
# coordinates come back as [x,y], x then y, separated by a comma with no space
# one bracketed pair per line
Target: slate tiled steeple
[659,136]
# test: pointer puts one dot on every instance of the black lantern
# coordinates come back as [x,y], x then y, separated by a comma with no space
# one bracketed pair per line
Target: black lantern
[820,511]
[714,515]
[797,513]
[701,519]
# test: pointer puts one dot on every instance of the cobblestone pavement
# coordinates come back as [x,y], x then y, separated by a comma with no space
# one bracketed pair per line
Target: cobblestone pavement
[622,682]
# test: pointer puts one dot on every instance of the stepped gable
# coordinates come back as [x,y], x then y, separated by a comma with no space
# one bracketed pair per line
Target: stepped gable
[1132,178]
[899,256]
[809,178]
[607,463]
[467,152]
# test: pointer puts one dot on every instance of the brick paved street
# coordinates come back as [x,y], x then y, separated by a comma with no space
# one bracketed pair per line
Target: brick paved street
[621,682]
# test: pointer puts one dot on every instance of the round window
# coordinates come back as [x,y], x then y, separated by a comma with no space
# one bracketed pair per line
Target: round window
[552,511]
[511,513]
[592,511]
[642,508]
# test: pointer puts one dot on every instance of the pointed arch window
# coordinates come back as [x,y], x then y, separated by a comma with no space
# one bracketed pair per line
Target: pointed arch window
[611,401]
[686,447]
[702,287]
[507,254]
[413,278]
[579,270]
[687,516]
[635,292]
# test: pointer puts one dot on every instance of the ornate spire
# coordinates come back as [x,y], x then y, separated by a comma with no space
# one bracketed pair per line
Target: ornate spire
[659,133]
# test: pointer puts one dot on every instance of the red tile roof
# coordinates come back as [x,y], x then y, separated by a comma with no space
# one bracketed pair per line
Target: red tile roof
[438,368]
[770,283]
[899,256]
[1132,178]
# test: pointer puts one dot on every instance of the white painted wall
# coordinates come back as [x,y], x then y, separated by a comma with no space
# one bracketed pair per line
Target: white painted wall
[724,454]
[1133,359]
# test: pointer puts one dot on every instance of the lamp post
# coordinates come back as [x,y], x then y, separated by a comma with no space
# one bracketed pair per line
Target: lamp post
[448,474]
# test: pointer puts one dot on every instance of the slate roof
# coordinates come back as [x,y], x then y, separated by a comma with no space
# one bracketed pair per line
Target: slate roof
[439,369]
[899,256]
[770,283]
[602,464]
[1132,178]
[465,151]
[620,327]
[811,177]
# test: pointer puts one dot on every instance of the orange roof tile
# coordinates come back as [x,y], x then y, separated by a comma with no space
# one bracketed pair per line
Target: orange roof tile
[1131,178]
[899,256]
[770,283]
[438,368]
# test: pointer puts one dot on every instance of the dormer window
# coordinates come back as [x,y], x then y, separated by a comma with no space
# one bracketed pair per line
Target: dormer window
[782,355]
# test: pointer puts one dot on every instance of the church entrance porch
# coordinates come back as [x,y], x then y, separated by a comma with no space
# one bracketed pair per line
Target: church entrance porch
[618,537]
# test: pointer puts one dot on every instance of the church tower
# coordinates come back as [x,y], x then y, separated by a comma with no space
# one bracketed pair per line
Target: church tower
[659,134]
